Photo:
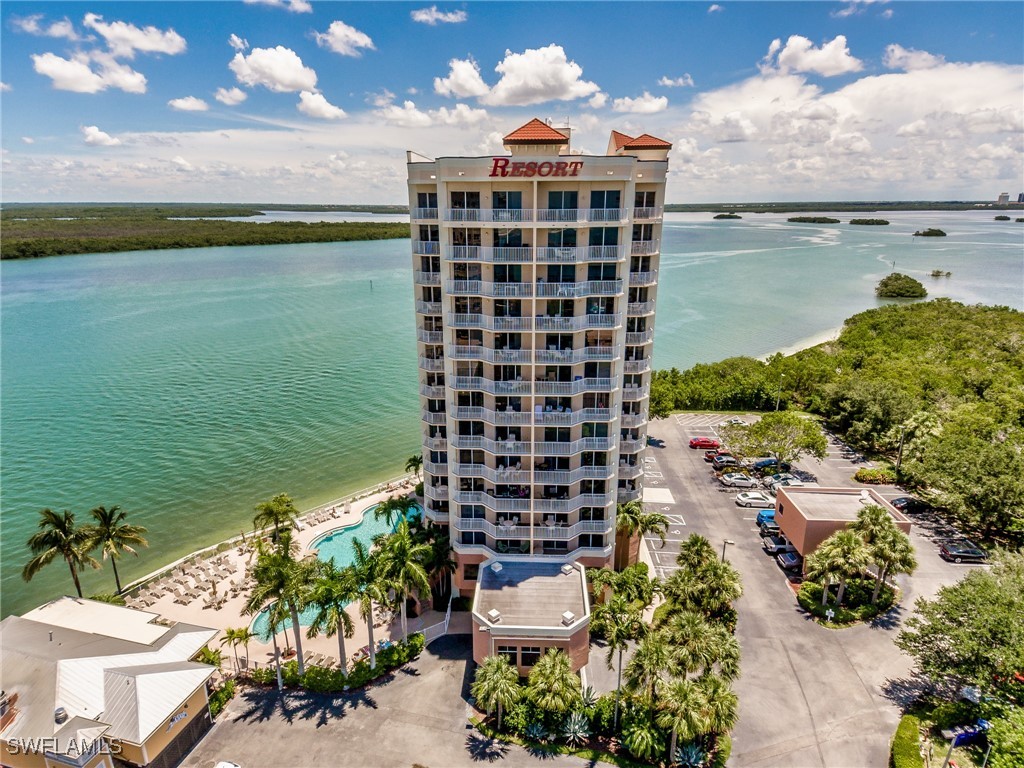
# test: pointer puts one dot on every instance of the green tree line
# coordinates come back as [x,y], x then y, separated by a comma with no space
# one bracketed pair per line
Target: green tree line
[943,378]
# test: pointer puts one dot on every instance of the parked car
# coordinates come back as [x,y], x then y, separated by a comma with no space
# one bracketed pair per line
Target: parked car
[765,515]
[771,480]
[785,484]
[737,480]
[721,462]
[769,466]
[710,455]
[962,552]
[704,442]
[790,561]
[777,544]
[910,505]
[770,528]
[733,420]
[753,499]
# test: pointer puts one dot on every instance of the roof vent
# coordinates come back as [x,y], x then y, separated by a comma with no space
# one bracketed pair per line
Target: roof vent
[568,570]
[568,618]
[496,567]
[494,615]
[60,715]
[865,497]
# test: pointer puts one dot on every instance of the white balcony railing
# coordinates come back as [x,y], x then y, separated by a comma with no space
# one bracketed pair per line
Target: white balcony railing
[497,418]
[497,447]
[625,495]
[498,356]
[639,337]
[633,419]
[498,254]
[640,308]
[435,443]
[578,323]
[426,278]
[606,214]
[431,364]
[481,384]
[572,254]
[491,502]
[637,366]
[434,392]
[483,288]
[568,477]
[632,446]
[435,468]
[429,337]
[457,320]
[426,247]
[499,215]
[424,213]
[434,418]
[643,247]
[635,393]
[570,356]
[643,278]
[648,213]
[576,290]
[569,388]
[428,307]
[630,471]
[577,502]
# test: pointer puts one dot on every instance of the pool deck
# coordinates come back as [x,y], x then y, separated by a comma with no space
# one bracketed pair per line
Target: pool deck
[230,614]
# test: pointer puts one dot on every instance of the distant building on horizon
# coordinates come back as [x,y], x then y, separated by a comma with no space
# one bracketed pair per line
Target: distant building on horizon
[1004,198]
[1020,197]
[536,276]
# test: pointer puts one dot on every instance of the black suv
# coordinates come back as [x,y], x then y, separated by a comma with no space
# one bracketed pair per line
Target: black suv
[910,505]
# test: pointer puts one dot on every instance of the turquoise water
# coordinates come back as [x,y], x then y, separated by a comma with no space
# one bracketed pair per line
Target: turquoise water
[186,386]
[335,545]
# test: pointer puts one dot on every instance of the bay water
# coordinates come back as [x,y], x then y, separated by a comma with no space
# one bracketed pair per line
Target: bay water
[188,385]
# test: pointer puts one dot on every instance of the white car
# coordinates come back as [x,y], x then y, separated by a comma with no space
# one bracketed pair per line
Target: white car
[754,499]
[737,480]
[770,482]
[774,490]
[733,420]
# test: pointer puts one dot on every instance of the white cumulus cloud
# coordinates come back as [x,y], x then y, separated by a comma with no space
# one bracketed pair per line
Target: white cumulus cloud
[343,39]
[460,114]
[855,7]
[97,138]
[280,69]
[598,100]
[77,74]
[463,80]
[898,57]
[641,105]
[31,24]
[28,140]
[188,104]
[537,75]
[5,87]
[715,8]
[315,105]
[800,55]
[408,115]
[238,43]
[677,82]
[124,39]
[295,6]
[432,16]
[230,96]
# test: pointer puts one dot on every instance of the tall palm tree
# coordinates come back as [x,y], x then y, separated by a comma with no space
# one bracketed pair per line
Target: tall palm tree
[821,570]
[59,536]
[693,642]
[281,580]
[440,565]
[275,617]
[695,553]
[843,554]
[872,521]
[404,563]
[496,685]
[370,589]
[414,464]
[651,659]
[891,553]
[394,508]
[277,513]
[552,685]
[633,522]
[682,708]
[113,535]
[721,710]
[621,624]
[332,589]
[235,638]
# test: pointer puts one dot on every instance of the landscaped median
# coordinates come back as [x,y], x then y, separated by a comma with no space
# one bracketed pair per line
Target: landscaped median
[906,744]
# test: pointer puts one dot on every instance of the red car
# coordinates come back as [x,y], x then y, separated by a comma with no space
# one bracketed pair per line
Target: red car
[704,442]
[710,456]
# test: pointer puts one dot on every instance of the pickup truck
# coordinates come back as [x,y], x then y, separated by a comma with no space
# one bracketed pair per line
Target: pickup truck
[776,545]
[769,528]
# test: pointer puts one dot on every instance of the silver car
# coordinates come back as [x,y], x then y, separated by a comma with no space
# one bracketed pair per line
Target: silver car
[737,480]
[754,499]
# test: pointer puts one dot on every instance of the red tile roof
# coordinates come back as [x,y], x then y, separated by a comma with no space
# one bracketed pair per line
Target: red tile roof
[620,139]
[646,141]
[536,132]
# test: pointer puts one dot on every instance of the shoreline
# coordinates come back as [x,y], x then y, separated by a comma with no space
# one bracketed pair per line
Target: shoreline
[822,337]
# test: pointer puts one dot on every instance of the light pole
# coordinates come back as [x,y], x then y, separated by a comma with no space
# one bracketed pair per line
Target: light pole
[778,395]
[899,454]
[725,543]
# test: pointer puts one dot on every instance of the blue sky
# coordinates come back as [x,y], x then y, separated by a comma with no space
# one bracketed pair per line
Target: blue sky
[307,101]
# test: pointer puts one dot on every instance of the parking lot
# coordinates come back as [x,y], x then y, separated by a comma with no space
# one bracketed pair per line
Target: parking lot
[809,696]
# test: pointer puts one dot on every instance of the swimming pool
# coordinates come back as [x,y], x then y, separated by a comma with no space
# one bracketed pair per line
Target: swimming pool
[334,545]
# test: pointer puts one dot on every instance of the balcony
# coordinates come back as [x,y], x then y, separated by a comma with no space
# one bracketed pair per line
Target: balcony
[487,215]
[573,254]
[497,447]
[576,502]
[643,278]
[624,495]
[569,418]
[498,356]
[633,419]
[606,214]
[435,468]
[644,247]
[436,419]
[435,392]
[426,278]
[630,471]
[575,446]
[568,477]
[434,364]
[639,337]
[638,308]
[481,384]
[491,502]
[497,476]
[436,492]
[577,387]
[456,320]
[577,290]
[435,443]
[578,323]
[435,516]
[428,307]
[648,213]
[497,255]
[482,288]
[561,215]
[558,556]
[635,393]
[637,366]
[497,418]
[429,337]
[570,356]
[549,530]
[426,247]
[632,446]
[424,214]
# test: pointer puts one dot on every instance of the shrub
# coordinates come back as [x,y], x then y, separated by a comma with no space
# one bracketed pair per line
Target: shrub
[220,697]
[602,718]
[520,716]
[905,751]
[419,489]
[875,222]
[875,476]
[209,656]
[900,286]
[723,748]
[263,675]
[950,714]
[856,601]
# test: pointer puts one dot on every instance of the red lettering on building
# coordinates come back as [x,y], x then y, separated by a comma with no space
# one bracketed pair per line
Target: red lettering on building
[500,164]
[518,169]
[574,168]
[503,167]
[560,169]
[544,169]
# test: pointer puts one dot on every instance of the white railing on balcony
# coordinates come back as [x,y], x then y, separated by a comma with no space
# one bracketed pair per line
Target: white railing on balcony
[428,307]
[569,356]
[640,308]
[463,214]
[483,288]
[555,556]
[436,419]
[431,363]
[506,531]
[639,337]
[611,320]
[560,214]
[569,418]
[429,337]
[648,213]
[437,517]
[629,471]
[635,393]
[424,213]
[637,366]
[479,383]
[571,254]
[548,530]
[643,278]
[634,419]
[499,356]
[576,290]
[498,254]
[575,446]
[489,214]
[435,443]
[606,214]
[624,495]
[498,447]
[426,247]
[643,247]
[632,446]
[507,476]
[491,502]
[576,502]
[567,477]
[457,320]
[434,392]
[426,278]
[497,418]
[436,492]
[574,387]
[435,468]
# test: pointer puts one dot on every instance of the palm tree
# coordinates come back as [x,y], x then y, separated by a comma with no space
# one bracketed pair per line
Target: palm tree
[632,523]
[693,642]
[59,536]
[370,589]
[695,553]
[843,555]
[275,616]
[114,536]
[891,553]
[440,565]
[277,513]
[332,589]
[721,708]
[414,464]
[552,684]
[394,508]
[651,659]
[682,708]
[235,638]
[404,563]
[643,739]
[872,521]
[281,580]
[496,685]
[621,624]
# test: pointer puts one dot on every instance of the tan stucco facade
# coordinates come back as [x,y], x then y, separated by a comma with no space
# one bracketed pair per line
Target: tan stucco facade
[142,754]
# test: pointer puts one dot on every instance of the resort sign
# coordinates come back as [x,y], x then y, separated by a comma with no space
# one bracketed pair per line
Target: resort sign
[504,167]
